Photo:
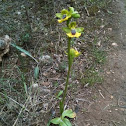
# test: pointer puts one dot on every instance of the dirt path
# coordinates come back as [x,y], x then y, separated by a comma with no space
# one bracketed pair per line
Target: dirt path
[109,108]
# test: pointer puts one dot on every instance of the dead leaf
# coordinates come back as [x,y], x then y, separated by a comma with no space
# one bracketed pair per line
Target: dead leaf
[45,83]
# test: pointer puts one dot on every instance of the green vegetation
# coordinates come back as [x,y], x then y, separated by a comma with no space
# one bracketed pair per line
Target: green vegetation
[91,76]
[71,32]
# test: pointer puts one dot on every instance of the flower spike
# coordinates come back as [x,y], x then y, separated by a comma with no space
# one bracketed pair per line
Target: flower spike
[72,31]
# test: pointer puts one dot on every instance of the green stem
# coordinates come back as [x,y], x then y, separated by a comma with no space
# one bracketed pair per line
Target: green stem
[68,21]
[67,80]
[68,74]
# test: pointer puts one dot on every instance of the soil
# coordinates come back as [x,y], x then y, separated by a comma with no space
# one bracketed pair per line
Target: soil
[97,105]
[109,108]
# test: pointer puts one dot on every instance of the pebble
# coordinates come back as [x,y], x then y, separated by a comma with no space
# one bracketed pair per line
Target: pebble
[35,85]
[45,105]
[44,58]
[114,44]
[22,54]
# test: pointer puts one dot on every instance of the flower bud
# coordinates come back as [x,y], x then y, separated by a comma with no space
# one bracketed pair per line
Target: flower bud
[74,53]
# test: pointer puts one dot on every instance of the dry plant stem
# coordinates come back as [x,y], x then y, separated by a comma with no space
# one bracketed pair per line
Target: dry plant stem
[67,80]
[21,112]
[15,102]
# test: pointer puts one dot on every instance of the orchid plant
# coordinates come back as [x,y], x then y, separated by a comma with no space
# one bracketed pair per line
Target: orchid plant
[72,31]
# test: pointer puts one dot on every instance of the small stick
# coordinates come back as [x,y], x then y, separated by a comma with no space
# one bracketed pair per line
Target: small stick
[101,94]
[87,11]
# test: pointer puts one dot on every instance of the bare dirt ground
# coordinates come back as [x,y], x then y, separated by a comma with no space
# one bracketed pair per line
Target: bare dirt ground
[96,105]
[110,107]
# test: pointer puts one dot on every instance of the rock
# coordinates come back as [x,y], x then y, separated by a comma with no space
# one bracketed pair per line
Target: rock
[45,58]
[45,105]
[4,46]
[23,54]
[35,85]
[114,44]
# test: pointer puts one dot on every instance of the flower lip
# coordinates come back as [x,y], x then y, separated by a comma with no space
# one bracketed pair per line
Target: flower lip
[73,31]
[64,16]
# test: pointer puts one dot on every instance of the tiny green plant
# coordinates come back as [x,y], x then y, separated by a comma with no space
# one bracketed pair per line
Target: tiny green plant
[72,31]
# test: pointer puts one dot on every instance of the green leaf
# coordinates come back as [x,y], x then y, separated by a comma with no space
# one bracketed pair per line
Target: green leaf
[76,15]
[80,29]
[69,113]
[59,15]
[36,72]
[66,29]
[71,9]
[56,120]
[72,25]
[24,51]
[67,122]
[63,124]
[60,93]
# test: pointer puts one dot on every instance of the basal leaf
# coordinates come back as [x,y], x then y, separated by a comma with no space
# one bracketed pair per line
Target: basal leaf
[63,124]
[56,120]
[67,122]
[68,113]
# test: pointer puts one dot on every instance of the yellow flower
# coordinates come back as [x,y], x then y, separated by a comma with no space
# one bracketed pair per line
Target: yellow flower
[63,16]
[73,34]
[72,31]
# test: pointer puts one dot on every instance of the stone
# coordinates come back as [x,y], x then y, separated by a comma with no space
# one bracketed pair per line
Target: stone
[4,46]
